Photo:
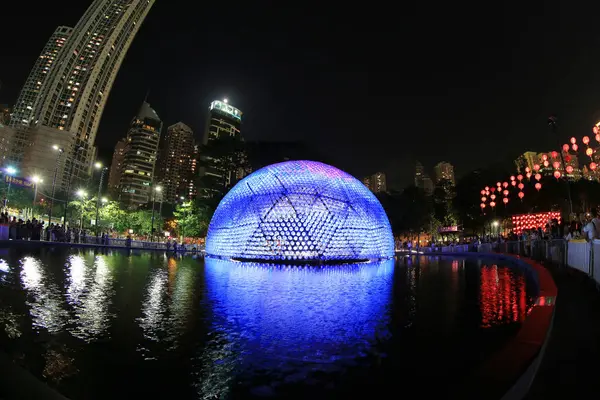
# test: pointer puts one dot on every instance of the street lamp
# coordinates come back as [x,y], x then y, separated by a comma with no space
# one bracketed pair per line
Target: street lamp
[82,194]
[99,166]
[154,191]
[10,171]
[37,180]
[60,151]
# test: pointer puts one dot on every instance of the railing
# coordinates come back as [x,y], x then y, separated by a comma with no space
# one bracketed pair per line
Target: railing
[131,244]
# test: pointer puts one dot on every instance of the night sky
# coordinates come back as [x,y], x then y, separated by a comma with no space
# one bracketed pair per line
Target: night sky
[376,86]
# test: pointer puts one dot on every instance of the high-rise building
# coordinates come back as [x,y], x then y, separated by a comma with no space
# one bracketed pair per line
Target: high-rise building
[139,158]
[444,170]
[116,167]
[422,180]
[376,182]
[176,162]
[527,160]
[72,97]
[223,119]
[30,96]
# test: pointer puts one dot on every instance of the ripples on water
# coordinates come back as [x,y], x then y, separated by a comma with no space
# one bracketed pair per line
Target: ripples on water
[117,325]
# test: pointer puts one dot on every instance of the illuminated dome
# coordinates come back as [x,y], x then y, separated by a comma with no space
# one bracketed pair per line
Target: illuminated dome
[300,211]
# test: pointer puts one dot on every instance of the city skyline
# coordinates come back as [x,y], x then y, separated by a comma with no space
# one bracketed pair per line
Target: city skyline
[259,72]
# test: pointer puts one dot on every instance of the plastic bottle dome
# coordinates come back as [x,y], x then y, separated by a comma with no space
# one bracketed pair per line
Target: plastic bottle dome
[300,211]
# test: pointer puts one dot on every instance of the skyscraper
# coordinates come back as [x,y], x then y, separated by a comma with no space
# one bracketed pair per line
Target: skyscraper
[444,170]
[116,167]
[24,110]
[139,158]
[376,183]
[176,162]
[223,120]
[79,80]
[422,180]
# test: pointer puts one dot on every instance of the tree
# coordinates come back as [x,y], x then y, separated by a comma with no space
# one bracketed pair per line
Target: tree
[192,218]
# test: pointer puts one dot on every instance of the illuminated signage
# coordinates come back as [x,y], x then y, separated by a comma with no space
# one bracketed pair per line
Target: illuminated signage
[447,229]
[15,180]
[226,108]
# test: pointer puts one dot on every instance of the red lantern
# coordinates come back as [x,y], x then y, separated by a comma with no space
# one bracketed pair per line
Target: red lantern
[492,189]
[505,200]
[487,188]
[520,186]
[538,186]
[505,192]
[538,176]
[505,184]
[483,199]
[492,204]
[544,157]
[574,147]
[557,174]
[586,140]
[573,140]
[482,192]
[498,184]
[565,147]
[512,177]
[536,167]
[482,206]
[493,197]
[527,169]
[556,164]
[514,183]
[569,169]
[593,166]
[520,177]
[528,175]
[595,130]
[521,195]
[589,151]
[598,137]
[567,158]
[554,154]
[546,163]
[487,192]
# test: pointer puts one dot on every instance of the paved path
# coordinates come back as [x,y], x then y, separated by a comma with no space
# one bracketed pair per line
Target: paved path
[571,366]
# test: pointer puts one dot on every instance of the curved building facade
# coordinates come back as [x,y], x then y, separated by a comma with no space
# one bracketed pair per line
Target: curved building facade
[300,211]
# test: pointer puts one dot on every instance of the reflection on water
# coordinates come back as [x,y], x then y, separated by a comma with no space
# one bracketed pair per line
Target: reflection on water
[90,294]
[202,329]
[44,297]
[266,317]
[503,296]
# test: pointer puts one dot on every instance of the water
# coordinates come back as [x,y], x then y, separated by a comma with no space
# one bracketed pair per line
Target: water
[99,325]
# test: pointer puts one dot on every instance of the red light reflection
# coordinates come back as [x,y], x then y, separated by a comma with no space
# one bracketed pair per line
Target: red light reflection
[502,296]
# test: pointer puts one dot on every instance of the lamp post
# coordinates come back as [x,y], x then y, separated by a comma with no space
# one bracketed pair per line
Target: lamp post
[82,194]
[9,171]
[70,177]
[103,170]
[154,190]
[37,180]
[60,151]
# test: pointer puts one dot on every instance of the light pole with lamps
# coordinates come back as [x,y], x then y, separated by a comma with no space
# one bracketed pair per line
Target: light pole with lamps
[37,180]
[103,170]
[154,190]
[60,151]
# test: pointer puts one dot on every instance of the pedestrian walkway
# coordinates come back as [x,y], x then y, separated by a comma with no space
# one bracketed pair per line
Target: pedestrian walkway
[570,368]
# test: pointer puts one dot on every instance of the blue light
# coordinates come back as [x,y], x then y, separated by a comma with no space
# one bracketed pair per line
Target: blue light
[300,210]
[270,316]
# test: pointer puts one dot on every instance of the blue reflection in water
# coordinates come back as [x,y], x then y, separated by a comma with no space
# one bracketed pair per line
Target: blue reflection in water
[275,317]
